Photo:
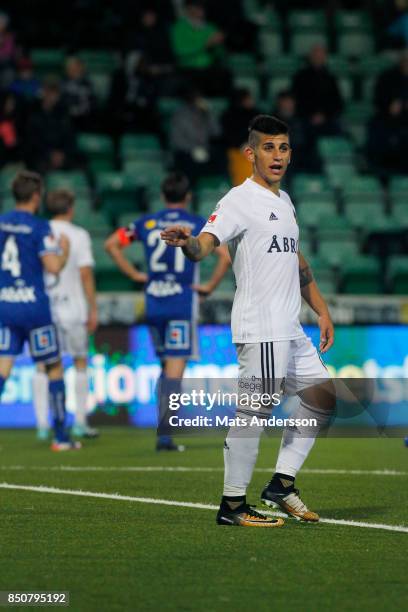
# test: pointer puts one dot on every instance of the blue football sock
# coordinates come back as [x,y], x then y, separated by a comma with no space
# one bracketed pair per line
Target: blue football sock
[165,440]
[56,389]
[165,388]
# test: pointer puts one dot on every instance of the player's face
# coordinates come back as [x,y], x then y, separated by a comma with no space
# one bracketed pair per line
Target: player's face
[270,157]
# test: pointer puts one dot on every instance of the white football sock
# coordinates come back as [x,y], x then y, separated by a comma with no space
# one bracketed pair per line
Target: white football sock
[240,455]
[40,399]
[81,396]
[298,441]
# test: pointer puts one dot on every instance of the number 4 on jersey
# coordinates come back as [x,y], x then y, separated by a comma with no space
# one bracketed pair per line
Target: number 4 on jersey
[10,258]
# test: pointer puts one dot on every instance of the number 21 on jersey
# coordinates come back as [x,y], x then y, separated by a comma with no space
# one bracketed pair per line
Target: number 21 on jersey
[160,266]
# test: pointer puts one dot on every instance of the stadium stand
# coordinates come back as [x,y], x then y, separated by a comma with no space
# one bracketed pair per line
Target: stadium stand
[116,174]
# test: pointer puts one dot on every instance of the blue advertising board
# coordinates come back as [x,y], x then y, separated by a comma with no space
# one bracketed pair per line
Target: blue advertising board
[128,376]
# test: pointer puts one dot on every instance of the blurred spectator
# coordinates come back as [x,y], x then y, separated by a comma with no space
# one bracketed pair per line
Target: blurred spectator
[11,128]
[235,123]
[391,89]
[196,42]
[153,41]
[317,95]
[78,95]
[26,85]
[132,99]
[240,34]
[304,157]
[198,48]
[387,143]
[50,139]
[8,52]
[236,118]
[152,38]
[192,131]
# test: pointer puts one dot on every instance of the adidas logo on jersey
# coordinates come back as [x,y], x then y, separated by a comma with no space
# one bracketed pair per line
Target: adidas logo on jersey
[273,217]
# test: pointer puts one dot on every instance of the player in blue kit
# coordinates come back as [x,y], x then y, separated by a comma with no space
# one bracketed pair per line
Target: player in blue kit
[171,286]
[27,249]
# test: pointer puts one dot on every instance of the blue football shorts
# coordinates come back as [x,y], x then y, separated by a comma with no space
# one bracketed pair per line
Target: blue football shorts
[174,338]
[43,341]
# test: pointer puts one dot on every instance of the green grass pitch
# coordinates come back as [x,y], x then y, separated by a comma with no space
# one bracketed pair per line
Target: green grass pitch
[126,555]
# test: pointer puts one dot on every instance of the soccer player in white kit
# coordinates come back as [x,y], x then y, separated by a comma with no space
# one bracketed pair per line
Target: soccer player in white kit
[258,222]
[74,311]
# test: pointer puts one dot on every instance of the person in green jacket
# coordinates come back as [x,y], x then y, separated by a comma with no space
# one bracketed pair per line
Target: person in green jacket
[196,43]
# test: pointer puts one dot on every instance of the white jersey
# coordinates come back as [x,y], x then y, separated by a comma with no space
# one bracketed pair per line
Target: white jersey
[262,234]
[68,301]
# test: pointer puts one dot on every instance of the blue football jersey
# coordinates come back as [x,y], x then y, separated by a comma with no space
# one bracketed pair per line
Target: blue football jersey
[24,238]
[171,274]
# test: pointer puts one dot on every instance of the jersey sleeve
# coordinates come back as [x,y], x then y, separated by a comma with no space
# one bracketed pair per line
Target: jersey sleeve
[226,222]
[85,256]
[46,242]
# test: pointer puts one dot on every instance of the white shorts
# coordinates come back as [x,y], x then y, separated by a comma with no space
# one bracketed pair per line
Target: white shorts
[281,366]
[73,338]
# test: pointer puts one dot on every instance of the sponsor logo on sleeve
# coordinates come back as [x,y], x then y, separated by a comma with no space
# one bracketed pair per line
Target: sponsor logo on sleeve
[211,218]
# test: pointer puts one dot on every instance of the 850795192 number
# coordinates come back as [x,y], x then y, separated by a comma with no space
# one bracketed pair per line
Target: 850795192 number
[34,598]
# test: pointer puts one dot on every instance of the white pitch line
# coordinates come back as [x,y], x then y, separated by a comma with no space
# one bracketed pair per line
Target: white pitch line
[161,468]
[114,496]
[383,472]
[198,506]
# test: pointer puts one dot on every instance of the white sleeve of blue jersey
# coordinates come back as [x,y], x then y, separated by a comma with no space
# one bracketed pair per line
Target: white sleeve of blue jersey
[48,245]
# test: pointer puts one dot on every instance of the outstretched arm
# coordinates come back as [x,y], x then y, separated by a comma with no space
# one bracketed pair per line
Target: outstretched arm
[115,249]
[311,294]
[194,247]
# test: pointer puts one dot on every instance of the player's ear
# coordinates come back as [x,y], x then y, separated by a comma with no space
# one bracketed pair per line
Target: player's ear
[249,153]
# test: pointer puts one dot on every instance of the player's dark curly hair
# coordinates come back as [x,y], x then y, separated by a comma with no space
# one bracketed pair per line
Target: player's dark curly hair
[175,187]
[265,124]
